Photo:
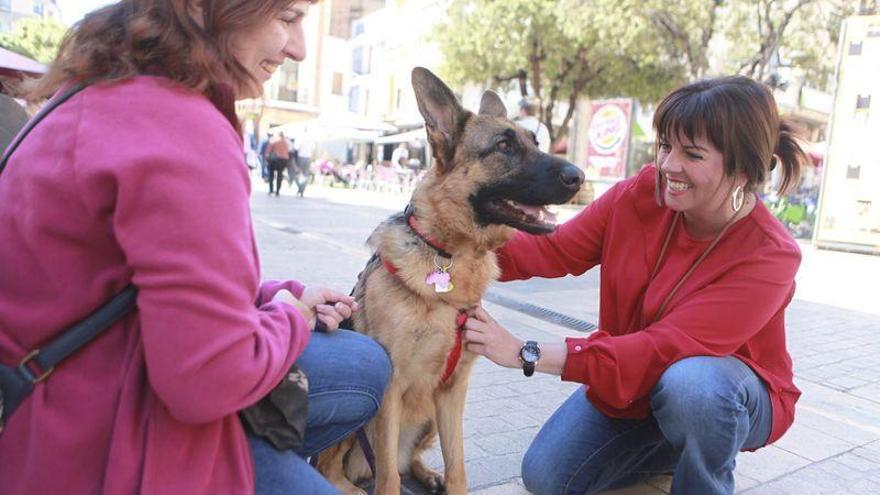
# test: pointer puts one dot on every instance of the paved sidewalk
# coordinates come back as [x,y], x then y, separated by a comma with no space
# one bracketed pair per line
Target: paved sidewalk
[833,447]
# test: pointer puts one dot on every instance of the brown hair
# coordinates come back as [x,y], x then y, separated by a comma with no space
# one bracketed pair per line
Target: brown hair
[159,37]
[738,116]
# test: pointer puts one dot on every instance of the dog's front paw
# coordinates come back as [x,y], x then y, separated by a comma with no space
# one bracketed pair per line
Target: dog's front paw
[348,488]
[353,490]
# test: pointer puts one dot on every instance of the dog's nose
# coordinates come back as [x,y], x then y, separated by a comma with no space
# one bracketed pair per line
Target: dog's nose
[571,177]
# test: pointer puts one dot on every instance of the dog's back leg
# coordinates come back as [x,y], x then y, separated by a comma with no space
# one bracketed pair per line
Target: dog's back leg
[430,479]
[331,464]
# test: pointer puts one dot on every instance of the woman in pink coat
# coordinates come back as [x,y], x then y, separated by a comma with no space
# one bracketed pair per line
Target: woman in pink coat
[139,178]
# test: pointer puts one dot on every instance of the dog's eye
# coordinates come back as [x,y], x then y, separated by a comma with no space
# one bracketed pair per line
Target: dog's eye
[503,145]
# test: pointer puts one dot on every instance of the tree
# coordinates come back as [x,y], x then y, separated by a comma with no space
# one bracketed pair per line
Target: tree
[34,37]
[689,26]
[557,50]
[754,37]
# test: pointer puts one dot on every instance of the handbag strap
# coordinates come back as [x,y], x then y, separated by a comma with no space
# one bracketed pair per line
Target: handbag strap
[47,357]
[51,105]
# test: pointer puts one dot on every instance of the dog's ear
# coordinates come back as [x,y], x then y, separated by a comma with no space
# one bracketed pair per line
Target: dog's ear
[492,106]
[442,112]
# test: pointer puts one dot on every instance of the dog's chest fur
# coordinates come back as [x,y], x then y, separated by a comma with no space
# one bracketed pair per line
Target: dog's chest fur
[415,324]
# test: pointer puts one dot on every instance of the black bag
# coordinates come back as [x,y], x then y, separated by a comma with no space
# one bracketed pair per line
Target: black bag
[17,383]
[281,416]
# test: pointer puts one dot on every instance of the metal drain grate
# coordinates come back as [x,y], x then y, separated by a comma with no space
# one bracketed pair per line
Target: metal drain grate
[540,313]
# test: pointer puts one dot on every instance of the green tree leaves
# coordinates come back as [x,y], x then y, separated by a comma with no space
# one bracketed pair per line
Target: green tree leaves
[37,38]
[559,50]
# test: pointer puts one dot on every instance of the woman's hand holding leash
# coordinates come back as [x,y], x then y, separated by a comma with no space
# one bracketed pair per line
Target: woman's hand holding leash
[323,308]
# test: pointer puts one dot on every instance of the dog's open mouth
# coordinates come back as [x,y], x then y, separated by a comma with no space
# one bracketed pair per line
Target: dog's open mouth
[533,219]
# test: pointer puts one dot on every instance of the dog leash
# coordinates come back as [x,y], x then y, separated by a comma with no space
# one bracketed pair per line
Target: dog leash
[367,449]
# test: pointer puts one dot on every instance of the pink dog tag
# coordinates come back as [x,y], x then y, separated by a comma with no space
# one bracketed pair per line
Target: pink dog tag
[441,280]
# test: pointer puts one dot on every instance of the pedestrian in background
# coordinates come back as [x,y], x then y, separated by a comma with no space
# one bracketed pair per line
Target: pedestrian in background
[279,157]
[151,405]
[528,119]
[689,365]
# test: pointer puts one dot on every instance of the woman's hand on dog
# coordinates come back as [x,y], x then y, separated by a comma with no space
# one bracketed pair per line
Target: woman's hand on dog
[484,336]
[330,307]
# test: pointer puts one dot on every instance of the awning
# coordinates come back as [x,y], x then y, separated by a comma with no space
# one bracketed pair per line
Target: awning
[12,63]
[320,133]
[404,137]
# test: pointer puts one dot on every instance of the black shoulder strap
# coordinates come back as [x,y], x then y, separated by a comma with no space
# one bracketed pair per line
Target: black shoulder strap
[51,105]
[89,328]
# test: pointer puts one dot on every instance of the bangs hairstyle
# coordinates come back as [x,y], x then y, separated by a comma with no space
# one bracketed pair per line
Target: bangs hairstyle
[739,117]
[159,37]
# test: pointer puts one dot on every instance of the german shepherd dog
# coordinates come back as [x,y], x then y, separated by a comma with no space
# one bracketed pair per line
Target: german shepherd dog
[432,263]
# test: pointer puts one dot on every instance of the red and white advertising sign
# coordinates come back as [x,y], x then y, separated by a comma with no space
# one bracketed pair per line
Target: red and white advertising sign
[608,139]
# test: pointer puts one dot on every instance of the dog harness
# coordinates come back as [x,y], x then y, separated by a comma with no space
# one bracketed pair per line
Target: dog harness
[454,355]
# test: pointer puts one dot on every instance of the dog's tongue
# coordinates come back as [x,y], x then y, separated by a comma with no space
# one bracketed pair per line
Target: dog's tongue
[538,212]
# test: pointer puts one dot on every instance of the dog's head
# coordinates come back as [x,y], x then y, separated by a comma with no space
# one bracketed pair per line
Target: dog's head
[490,162]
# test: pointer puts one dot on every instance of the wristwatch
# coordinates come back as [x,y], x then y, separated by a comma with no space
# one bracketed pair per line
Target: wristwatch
[529,354]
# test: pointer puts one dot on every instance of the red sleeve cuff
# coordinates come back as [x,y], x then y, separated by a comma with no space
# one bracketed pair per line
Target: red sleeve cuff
[575,369]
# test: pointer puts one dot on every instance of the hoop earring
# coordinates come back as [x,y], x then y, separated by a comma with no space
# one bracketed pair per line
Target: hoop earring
[658,187]
[737,198]
[774,161]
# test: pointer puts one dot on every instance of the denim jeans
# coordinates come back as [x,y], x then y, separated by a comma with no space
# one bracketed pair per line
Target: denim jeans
[348,373]
[704,411]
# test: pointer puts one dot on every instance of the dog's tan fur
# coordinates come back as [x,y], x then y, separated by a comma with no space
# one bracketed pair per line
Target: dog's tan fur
[415,324]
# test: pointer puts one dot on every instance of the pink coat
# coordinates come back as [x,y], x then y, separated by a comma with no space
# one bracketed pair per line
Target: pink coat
[139,181]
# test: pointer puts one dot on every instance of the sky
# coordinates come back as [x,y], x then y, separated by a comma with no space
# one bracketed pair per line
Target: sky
[74,10]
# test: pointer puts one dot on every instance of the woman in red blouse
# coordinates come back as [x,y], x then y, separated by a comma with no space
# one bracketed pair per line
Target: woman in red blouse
[689,365]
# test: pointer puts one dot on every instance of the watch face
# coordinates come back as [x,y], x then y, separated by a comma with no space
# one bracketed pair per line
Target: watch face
[530,354]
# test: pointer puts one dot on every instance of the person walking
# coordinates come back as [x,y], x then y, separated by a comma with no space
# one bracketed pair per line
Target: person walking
[279,157]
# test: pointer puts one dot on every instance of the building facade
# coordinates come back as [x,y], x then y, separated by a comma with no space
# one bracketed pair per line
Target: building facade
[849,207]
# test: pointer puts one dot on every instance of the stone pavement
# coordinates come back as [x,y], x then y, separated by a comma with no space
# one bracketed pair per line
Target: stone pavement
[833,447]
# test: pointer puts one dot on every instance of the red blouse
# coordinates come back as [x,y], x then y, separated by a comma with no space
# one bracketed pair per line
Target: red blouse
[733,304]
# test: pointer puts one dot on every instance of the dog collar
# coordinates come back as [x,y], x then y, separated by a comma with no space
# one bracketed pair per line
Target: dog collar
[436,245]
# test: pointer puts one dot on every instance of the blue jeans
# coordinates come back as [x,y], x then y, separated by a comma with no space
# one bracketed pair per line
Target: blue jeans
[348,373]
[704,411]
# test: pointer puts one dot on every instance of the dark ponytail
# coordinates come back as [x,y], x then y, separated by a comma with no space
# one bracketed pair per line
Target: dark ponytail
[790,155]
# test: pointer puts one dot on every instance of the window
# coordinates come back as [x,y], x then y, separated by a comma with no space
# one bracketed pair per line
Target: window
[855,48]
[873,31]
[38,7]
[863,102]
[6,5]
[288,81]
[354,99]
[360,60]
[853,171]
[358,28]
[337,83]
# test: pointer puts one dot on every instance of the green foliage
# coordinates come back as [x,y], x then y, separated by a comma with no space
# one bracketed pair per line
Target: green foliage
[755,37]
[37,38]
[559,50]
[562,49]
